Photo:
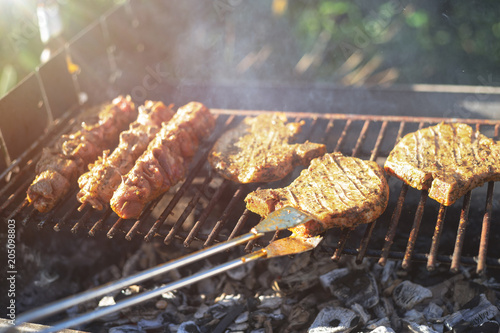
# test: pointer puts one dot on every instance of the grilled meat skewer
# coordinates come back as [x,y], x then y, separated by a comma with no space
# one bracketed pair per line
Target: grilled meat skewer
[165,162]
[104,176]
[338,191]
[447,159]
[257,150]
[60,165]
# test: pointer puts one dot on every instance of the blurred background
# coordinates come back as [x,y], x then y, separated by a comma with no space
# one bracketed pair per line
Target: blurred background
[350,43]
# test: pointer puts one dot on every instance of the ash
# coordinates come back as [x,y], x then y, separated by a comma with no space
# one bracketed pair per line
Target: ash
[305,293]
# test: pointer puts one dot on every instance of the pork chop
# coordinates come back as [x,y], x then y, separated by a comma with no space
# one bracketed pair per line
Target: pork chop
[337,190]
[258,150]
[447,159]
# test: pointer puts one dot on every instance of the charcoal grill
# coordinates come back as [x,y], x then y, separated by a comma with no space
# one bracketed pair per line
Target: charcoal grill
[411,229]
[365,136]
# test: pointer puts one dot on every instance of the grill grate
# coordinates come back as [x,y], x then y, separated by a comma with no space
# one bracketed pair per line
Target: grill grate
[216,203]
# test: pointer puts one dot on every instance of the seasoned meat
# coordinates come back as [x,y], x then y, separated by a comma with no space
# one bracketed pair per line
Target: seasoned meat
[447,159]
[98,184]
[257,150]
[61,164]
[337,190]
[165,162]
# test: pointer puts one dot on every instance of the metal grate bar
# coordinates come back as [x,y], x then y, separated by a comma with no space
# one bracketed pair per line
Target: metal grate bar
[66,216]
[16,193]
[240,224]
[204,215]
[462,225]
[362,117]
[82,221]
[147,212]
[346,232]
[187,211]
[98,225]
[361,138]
[222,221]
[114,229]
[431,261]
[391,232]
[414,230]
[343,135]
[485,231]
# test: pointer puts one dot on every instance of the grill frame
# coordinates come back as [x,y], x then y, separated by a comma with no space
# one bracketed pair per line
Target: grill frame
[67,213]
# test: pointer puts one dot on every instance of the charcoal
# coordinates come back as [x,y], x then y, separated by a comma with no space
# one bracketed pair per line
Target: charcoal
[332,320]
[474,313]
[385,322]
[433,312]
[415,316]
[384,308]
[270,301]
[188,327]
[408,294]
[387,272]
[161,304]
[464,291]
[416,328]
[240,272]
[242,318]
[150,324]
[383,329]
[487,327]
[298,317]
[201,312]
[241,327]
[357,286]
[107,301]
[125,329]
[364,316]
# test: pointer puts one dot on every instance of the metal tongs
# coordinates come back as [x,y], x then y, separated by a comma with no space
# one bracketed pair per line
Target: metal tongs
[284,218]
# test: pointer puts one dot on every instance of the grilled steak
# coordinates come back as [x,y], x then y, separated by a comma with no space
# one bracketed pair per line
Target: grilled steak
[447,159]
[257,150]
[339,191]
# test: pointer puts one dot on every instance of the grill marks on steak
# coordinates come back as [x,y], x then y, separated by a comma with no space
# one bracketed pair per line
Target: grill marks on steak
[337,190]
[257,150]
[447,159]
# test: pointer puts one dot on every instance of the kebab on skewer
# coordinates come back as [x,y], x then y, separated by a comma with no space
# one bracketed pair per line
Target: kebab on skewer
[105,175]
[165,162]
[60,165]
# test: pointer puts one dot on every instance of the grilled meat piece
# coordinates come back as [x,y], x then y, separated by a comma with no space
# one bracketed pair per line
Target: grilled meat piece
[257,150]
[337,190]
[61,164]
[447,159]
[105,175]
[165,162]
